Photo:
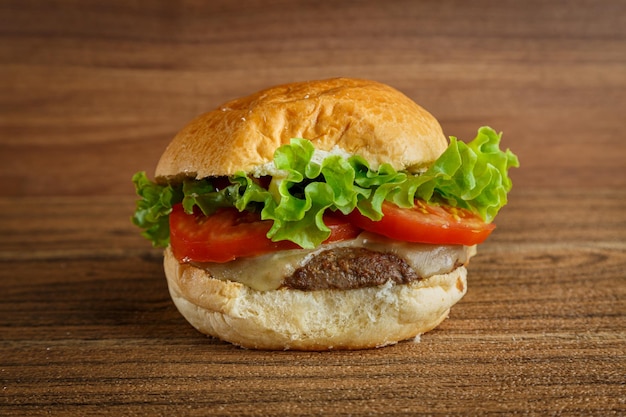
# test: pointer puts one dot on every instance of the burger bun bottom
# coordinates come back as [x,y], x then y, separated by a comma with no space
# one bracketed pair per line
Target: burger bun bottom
[285,318]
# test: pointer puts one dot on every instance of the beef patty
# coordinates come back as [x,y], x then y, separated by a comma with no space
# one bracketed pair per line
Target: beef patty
[350,268]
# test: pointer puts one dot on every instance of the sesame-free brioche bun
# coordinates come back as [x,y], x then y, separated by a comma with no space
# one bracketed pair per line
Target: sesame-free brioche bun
[284,318]
[359,117]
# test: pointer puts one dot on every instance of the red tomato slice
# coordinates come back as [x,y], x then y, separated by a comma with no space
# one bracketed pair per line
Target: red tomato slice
[426,223]
[228,234]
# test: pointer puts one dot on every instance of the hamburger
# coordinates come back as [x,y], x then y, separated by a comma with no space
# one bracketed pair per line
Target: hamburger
[320,215]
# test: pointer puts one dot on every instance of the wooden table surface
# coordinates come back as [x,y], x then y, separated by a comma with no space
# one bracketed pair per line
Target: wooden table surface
[91,92]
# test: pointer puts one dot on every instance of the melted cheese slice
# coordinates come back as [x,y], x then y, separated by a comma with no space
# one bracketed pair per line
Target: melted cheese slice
[266,272]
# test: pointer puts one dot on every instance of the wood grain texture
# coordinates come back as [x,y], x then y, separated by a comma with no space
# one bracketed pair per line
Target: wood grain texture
[91,92]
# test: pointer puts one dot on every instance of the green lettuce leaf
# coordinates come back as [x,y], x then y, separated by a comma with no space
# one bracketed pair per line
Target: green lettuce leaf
[154,207]
[473,176]
[305,191]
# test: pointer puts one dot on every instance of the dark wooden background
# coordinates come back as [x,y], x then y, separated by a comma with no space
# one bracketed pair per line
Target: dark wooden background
[92,91]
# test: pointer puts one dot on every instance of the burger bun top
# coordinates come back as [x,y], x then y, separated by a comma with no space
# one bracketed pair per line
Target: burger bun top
[357,117]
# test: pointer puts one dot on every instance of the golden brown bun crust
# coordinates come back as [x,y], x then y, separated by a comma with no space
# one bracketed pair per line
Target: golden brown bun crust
[360,117]
[311,320]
